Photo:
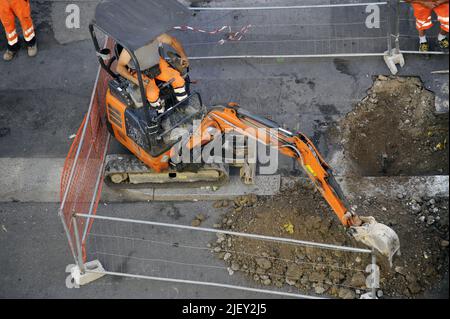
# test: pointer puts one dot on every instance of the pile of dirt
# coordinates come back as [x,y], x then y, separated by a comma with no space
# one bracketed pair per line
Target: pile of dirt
[301,213]
[395,131]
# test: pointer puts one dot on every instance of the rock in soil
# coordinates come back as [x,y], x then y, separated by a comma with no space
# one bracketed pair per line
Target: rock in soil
[345,293]
[358,280]
[218,204]
[226,256]
[200,217]
[263,263]
[319,290]
[235,266]
[196,222]
[294,272]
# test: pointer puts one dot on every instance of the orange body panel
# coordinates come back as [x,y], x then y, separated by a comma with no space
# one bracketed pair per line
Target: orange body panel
[158,164]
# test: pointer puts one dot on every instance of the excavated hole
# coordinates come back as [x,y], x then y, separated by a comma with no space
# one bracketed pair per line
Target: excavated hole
[394,131]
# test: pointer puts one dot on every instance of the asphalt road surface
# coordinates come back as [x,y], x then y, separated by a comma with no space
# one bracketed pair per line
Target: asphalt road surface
[43,100]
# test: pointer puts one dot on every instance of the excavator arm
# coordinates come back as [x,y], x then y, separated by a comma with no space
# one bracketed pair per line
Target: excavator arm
[225,119]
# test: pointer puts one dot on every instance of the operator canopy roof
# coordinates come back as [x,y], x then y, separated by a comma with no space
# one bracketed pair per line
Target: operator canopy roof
[135,23]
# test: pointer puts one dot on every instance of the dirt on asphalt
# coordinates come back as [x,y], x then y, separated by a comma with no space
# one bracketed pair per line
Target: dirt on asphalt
[301,213]
[395,131]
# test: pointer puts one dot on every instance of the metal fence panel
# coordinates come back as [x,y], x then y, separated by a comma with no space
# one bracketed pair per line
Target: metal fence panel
[145,249]
[317,29]
[81,178]
[141,249]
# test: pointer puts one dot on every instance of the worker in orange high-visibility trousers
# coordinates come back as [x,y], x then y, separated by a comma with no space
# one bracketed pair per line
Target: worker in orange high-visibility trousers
[9,9]
[422,11]
[155,67]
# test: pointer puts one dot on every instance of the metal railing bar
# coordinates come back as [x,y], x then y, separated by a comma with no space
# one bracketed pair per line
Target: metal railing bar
[205,283]
[424,53]
[312,6]
[69,239]
[203,25]
[171,244]
[162,261]
[80,262]
[97,186]
[287,41]
[211,230]
[286,56]
[271,274]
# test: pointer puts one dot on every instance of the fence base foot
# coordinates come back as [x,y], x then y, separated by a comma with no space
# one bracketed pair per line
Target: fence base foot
[392,59]
[368,295]
[80,278]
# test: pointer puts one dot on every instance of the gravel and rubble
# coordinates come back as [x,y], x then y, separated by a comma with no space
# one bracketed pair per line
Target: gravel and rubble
[421,223]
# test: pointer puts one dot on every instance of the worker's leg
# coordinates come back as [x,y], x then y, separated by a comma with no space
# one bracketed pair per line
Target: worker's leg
[22,10]
[442,14]
[423,22]
[152,92]
[167,73]
[7,18]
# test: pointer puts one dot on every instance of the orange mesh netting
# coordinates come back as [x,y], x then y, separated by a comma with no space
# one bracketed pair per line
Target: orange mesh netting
[80,191]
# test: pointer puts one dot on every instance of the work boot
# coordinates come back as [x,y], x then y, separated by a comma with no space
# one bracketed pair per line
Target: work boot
[424,47]
[9,55]
[161,109]
[443,44]
[32,50]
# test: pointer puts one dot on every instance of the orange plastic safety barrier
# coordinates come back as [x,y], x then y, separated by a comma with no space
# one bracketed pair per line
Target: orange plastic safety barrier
[80,187]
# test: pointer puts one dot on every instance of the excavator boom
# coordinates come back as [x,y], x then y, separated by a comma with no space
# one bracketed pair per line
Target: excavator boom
[364,229]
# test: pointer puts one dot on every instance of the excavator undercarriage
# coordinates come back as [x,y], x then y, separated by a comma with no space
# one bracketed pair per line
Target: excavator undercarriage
[126,171]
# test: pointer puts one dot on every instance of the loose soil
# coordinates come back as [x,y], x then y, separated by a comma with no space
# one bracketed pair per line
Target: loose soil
[301,213]
[395,131]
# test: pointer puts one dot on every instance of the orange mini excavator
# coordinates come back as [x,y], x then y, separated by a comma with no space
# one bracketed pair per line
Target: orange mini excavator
[158,141]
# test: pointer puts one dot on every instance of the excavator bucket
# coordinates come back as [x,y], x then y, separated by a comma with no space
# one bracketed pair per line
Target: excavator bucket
[378,236]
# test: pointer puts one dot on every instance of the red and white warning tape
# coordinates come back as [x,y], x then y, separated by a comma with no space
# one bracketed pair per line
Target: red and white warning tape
[231,36]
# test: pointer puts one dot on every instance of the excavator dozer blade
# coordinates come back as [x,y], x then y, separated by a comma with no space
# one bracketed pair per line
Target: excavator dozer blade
[378,236]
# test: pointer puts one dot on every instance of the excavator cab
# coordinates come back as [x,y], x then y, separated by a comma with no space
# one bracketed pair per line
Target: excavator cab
[130,118]
[167,94]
